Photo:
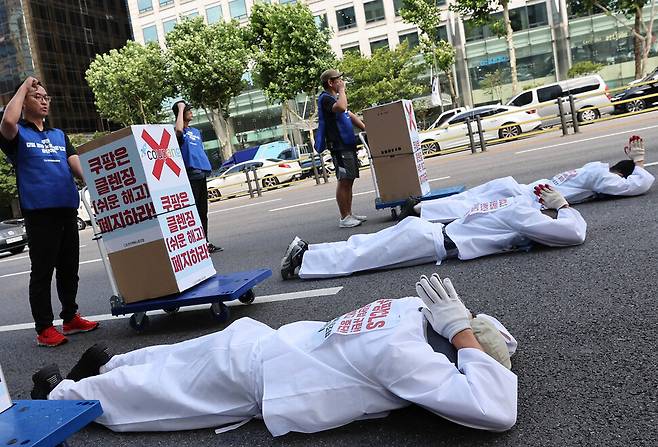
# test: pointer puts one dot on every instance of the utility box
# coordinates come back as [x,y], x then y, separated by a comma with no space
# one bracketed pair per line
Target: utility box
[145,210]
[397,158]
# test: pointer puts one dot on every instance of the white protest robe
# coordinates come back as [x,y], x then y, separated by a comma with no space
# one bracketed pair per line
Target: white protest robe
[490,227]
[447,209]
[595,179]
[306,376]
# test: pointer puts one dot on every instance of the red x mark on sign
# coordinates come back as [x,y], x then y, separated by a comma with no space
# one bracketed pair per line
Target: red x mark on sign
[162,154]
[410,112]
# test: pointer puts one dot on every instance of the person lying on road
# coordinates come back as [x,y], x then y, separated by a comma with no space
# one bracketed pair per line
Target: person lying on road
[309,376]
[511,223]
[592,181]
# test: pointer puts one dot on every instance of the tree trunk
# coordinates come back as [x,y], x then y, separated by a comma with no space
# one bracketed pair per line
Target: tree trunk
[451,84]
[509,36]
[284,120]
[221,128]
[638,44]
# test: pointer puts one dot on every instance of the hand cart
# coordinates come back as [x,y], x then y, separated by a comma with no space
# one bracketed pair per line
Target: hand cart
[214,291]
[395,204]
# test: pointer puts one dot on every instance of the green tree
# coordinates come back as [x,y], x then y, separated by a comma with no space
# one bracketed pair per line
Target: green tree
[642,31]
[290,53]
[493,84]
[208,63]
[8,191]
[584,68]
[437,53]
[383,77]
[481,13]
[130,84]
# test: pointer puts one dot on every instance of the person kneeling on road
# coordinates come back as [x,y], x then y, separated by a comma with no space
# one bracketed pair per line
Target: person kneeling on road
[388,354]
[512,223]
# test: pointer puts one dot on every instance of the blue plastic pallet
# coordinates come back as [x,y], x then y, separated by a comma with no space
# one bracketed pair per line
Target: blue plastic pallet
[45,423]
[215,291]
[433,194]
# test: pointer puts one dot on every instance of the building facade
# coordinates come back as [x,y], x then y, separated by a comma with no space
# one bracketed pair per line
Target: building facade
[549,37]
[55,41]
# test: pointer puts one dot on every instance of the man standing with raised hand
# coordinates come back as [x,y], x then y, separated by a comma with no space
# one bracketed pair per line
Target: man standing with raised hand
[196,162]
[335,132]
[45,163]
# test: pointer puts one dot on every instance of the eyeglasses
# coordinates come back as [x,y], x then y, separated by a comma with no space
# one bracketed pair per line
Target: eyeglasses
[39,97]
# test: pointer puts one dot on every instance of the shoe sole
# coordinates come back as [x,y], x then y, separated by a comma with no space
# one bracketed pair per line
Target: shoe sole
[349,226]
[49,345]
[78,331]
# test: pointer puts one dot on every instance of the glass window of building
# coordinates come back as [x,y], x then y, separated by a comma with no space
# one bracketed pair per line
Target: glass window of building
[397,6]
[144,5]
[214,14]
[377,44]
[346,18]
[537,15]
[410,38]
[374,11]
[168,25]
[473,31]
[150,34]
[354,49]
[442,33]
[165,3]
[321,21]
[238,9]
[190,14]
[440,2]
[287,1]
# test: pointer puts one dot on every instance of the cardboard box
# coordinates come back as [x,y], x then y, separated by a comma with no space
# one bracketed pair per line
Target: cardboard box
[397,159]
[5,399]
[145,210]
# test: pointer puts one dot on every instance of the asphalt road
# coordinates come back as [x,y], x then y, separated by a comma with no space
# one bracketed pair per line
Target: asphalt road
[585,317]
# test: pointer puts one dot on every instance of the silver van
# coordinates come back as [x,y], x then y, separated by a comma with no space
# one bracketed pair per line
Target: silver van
[588,91]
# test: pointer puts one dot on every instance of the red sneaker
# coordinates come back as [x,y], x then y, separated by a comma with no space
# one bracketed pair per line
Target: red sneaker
[51,337]
[78,324]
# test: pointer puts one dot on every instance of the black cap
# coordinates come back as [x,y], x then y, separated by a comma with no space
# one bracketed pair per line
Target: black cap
[174,108]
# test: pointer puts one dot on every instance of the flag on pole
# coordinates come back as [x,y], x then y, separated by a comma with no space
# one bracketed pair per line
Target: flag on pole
[436,92]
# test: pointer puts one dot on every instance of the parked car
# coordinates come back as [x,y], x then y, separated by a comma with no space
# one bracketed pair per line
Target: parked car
[270,171]
[12,236]
[445,116]
[588,91]
[454,132]
[84,218]
[635,95]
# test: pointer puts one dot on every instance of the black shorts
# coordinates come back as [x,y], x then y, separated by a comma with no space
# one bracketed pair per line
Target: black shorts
[346,164]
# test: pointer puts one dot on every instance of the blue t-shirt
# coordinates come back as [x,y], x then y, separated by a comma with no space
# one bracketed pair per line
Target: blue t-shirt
[191,146]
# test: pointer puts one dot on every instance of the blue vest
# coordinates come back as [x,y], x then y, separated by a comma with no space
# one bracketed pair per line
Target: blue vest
[194,156]
[43,174]
[345,129]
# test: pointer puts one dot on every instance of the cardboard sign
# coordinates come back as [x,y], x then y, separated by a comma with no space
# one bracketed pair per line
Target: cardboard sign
[5,400]
[144,208]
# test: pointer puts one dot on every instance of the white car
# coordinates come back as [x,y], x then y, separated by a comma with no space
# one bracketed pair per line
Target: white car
[454,132]
[270,172]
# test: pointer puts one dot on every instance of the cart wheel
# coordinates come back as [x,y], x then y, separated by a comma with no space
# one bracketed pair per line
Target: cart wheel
[394,213]
[139,321]
[219,311]
[248,297]
[171,310]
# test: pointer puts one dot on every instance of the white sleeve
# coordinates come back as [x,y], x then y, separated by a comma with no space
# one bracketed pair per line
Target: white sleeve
[568,229]
[481,394]
[612,184]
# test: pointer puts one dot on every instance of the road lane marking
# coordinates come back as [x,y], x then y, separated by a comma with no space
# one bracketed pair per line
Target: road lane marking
[584,140]
[646,165]
[315,293]
[27,271]
[244,206]
[9,258]
[333,198]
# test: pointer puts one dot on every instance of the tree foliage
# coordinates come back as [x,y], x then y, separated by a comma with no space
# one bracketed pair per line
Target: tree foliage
[493,84]
[8,190]
[383,77]
[290,51]
[129,84]
[208,63]
[584,68]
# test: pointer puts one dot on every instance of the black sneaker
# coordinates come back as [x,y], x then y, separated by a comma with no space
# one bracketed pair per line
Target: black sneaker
[408,208]
[212,248]
[292,260]
[45,380]
[90,362]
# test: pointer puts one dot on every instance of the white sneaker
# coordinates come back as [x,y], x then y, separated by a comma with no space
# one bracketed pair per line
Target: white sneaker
[361,218]
[349,222]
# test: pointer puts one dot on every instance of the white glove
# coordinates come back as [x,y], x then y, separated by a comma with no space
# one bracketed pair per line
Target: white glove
[550,198]
[635,149]
[445,311]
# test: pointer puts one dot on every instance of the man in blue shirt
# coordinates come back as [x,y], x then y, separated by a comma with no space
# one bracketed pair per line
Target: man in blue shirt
[45,162]
[196,162]
[335,132]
